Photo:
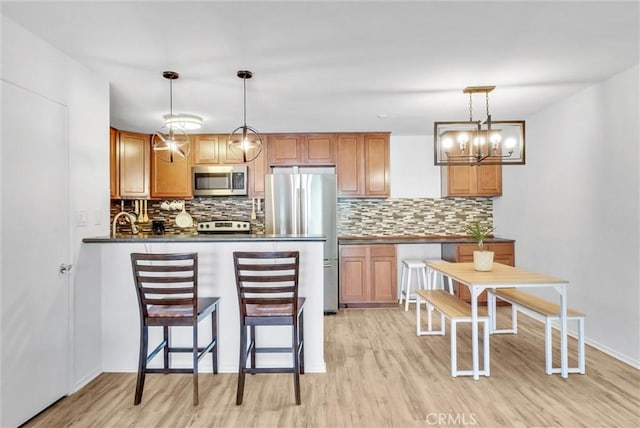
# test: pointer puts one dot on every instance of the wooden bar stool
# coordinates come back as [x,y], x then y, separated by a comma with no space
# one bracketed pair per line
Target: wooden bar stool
[167,289]
[267,284]
[409,268]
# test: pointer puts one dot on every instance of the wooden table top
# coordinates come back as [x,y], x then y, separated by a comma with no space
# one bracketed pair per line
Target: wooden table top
[500,275]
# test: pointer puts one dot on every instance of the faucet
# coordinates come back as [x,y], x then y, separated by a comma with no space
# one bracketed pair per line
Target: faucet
[132,220]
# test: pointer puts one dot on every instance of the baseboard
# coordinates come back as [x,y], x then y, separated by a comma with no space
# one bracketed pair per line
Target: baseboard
[85,380]
[599,346]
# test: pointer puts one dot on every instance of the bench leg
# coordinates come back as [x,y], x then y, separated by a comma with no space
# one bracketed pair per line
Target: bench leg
[492,300]
[485,351]
[548,346]
[429,331]
[581,345]
[418,302]
[454,349]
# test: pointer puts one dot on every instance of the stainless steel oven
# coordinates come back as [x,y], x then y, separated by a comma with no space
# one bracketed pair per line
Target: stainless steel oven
[220,180]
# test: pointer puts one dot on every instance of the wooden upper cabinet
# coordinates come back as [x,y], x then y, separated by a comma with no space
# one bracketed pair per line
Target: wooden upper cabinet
[285,149]
[376,165]
[319,149]
[350,165]
[363,165]
[482,180]
[257,169]
[302,149]
[171,179]
[205,149]
[212,149]
[114,170]
[134,152]
[229,155]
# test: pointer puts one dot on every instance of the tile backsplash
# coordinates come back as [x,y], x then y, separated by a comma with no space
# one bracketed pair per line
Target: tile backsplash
[200,209]
[356,217]
[411,216]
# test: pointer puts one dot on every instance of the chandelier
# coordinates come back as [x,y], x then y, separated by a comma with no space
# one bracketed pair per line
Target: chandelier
[245,138]
[171,141]
[480,142]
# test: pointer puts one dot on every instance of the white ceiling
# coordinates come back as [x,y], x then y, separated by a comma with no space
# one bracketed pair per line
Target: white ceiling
[337,66]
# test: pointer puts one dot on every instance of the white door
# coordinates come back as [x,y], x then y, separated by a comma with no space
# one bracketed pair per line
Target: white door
[35,243]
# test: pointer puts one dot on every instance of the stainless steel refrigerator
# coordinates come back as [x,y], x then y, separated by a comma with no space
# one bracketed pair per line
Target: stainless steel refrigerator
[302,201]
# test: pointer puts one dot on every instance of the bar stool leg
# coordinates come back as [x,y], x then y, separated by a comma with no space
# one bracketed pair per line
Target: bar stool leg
[408,292]
[242,365]
[403,282]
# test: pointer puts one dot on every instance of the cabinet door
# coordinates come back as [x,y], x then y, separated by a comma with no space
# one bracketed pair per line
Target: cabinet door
[376,165]
[319,149]
[114,171]
[383,274]
[349,166]
[134,164]
[229,155]
[354,274]
[171,179]
[458,180]
[489,180]
[483,180]
[285,149]
[257,169]
[205,149]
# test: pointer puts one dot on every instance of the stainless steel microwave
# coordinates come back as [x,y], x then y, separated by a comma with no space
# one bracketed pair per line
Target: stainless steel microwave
[220,180]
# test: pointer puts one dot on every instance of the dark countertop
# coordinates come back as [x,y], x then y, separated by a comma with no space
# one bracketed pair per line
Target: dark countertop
[413,239]
[233,237]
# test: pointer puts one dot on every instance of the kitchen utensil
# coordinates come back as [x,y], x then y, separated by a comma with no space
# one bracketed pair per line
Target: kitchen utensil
[165,206]
[157,226]
[253,209]
[136,207]
[184,220]
[133,213]
[145,216]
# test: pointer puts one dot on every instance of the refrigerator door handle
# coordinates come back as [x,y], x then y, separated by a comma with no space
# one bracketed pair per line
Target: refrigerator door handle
[304,212]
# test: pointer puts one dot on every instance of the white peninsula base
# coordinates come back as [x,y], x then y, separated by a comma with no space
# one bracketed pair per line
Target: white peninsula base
[120,317]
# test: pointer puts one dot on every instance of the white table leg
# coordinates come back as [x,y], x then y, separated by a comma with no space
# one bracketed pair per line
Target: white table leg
[564,357]
[475,291]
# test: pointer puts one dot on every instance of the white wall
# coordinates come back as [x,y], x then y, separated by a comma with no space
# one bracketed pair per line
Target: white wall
[413,174]
[31,63]
[574,208]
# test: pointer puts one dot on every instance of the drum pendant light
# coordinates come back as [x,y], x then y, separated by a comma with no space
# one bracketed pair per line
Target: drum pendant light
[244,138]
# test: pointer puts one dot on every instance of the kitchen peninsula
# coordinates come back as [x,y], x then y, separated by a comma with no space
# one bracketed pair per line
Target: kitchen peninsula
[120,317]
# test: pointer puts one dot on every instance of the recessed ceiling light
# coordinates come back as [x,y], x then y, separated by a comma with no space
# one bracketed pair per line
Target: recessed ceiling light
[382,115]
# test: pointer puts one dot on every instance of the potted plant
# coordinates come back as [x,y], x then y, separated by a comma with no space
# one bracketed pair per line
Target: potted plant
[482,260]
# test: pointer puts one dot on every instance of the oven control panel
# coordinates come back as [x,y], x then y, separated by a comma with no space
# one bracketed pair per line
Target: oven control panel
[224,226]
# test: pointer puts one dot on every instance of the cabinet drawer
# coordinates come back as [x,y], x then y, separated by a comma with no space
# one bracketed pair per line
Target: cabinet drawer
[383,251]
[353,251]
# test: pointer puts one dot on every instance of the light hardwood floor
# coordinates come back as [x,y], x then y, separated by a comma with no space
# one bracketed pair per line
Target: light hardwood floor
[379,374]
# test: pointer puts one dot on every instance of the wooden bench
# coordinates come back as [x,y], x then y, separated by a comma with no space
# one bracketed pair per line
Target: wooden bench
[550,311]
[456,311]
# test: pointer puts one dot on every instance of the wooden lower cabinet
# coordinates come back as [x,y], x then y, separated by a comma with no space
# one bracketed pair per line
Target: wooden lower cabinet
[368,276]
[504,252]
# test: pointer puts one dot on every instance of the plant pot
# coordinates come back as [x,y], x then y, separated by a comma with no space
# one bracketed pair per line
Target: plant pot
[483,260]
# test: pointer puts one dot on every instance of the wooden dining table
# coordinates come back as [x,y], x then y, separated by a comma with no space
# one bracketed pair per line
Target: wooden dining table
[503,276]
